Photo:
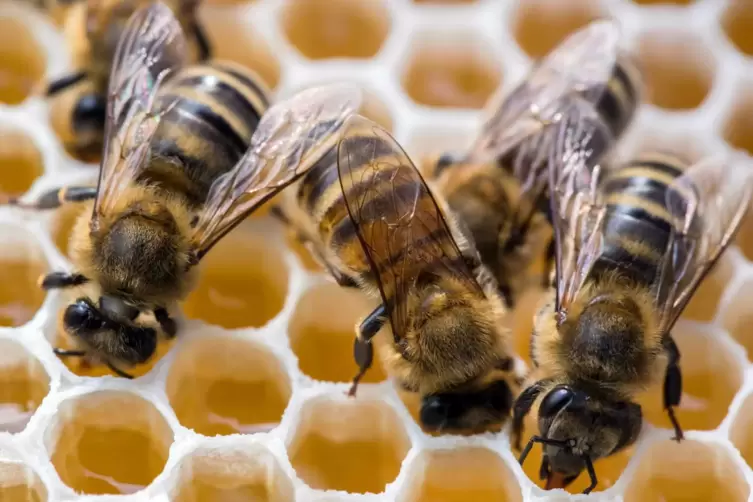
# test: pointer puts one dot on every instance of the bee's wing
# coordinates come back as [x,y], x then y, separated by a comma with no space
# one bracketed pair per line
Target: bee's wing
[400,227]
[577,209]
[290,138]
[151,46]
[706,205]
[582,63]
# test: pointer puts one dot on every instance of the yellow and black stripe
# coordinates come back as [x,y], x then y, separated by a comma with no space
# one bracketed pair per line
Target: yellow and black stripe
[637,226]
[214,109]
[621,96]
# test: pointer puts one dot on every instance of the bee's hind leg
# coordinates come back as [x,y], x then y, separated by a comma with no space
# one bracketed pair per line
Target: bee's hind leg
[363,350]
[167,323]
[61,280]
[673,385]
[64,83]
[57,197]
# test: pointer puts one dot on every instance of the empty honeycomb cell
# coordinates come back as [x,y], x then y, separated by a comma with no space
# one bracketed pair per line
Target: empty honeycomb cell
[232,39]
[23,385]
[326,29]
[454,71]
[690,471]
[352,445]
[21,265]
[248,473]
[540,25]
[736,315]
[322,337]
[20,162]
[710,378]
[678,69]
[702,306]
[608,470]
[19,483]
[22,61]
[243,281]
[459,475]
[225,385]
[738,132]
[108,442]
[737,22]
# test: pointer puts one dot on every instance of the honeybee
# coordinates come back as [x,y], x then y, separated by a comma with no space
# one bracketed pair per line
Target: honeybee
[498,187]
[105,21]
[630,252]
[374,224]
[187,157]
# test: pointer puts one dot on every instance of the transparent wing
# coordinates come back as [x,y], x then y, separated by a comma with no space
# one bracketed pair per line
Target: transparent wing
[707,204]
[395,217]
[291,137]
[583,63]
[152,45]
[577,210]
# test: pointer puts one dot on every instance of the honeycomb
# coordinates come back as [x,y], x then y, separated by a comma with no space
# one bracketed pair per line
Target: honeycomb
[249,403]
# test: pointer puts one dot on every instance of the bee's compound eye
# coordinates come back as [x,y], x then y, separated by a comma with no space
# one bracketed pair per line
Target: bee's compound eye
[80,316]
[555,401]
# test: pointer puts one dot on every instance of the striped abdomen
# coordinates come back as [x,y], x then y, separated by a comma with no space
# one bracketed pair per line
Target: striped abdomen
[637,224]
[621,96]
[217,108]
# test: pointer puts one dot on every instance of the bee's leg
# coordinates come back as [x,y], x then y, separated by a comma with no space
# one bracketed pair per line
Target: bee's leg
[520,409]
[57,197]
[363,350]
[118,371]
[167,323]
[202,42]
[673,385]
[69,353]
[63,83]
[591,475]
[61,280]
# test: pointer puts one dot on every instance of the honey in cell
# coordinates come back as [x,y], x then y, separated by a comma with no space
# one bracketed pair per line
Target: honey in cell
[741,433]
[226,386]
[737,22]
[354,446]
[19,483]
[20,296]
[22,62]
[23,385]
[738,132]
[463,474]
[540,25]
[20,162]
[208,491]
[110,443]
[325,29]
[448,77]
[242,282]
[702,307]
[737,317]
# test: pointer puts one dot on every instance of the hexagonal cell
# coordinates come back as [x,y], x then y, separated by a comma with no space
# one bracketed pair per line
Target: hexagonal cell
[608,470]
[23,385]
[20,162]
[459,475]
[736,314]
[326,29]
[737,22]
[322,337]
[226,385]
[703,305]
[678,69]
[738,129]
[231,39]
[249,473]
[108,442]
[21,265]
[741,432]
[688,471]
[710,378]
[451,70]
[351,445]
[243,281]
[540,25]
[19,483]
[22,60]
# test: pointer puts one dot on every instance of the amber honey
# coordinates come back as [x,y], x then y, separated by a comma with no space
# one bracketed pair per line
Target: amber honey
[23,385]
[740,433]
[110,442]
[324,29]
[243,282]
[226,386]
[738,132]
[20,163]
[540,25]
[207,491]
[22,62]
[703,305]
[322,337]
[449,77]
[21,297]
[463,474]
[352,446]
[737,22]
[19,483]
[737,318]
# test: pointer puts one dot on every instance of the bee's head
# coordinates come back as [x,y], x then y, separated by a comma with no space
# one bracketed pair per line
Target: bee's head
[577,428]
[109,335]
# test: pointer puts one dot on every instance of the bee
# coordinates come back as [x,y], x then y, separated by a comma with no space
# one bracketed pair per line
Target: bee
[105,21]
[498,187]
[374,223]
[187,157]
[631,250]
